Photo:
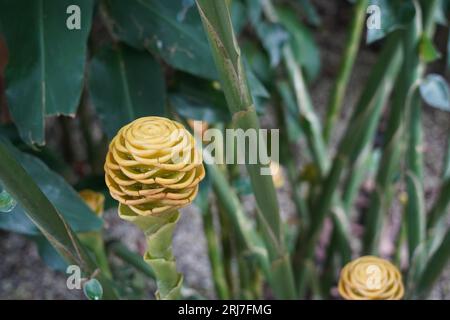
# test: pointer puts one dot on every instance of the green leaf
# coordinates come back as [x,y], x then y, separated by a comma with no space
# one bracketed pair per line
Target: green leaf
[273,37]
[256,87]
[257,60]
[310,12]
[435,266]
[243,186]
[435,92]
[395,14]
[159,27]
[125,84]
[238,16]
[60,193]
[199,99]
[44,75]
[49,255]
[427,50]
[302,42]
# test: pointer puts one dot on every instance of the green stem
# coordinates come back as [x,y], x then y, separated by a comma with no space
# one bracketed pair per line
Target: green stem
[136,261]
[216,20]
[215,257]
[357,136]
[94,242]
[158,231]
[348,60]
[228,248]
[121,251]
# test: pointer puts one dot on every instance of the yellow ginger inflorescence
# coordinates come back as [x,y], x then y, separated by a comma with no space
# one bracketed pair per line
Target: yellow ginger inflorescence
[153,166]
[370,278]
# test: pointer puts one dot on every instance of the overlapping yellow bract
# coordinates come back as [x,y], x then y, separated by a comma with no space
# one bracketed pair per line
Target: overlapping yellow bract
[94,200]
[370,278]
[153,166]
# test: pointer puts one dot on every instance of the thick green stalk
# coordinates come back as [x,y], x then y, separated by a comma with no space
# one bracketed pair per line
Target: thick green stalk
[44,215]
[158,231]
[357,136]
[415,207]
[247,236]
[216,20]
[348,60]
[136,261]
[215,256]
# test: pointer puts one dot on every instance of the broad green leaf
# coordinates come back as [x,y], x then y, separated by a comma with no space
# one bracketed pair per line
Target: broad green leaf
[427,50]
[199,99]
[44,75]
[125,84]
[302,42]
[434,90]
[158,26]
[59,192]
[394,14]
[273,37]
